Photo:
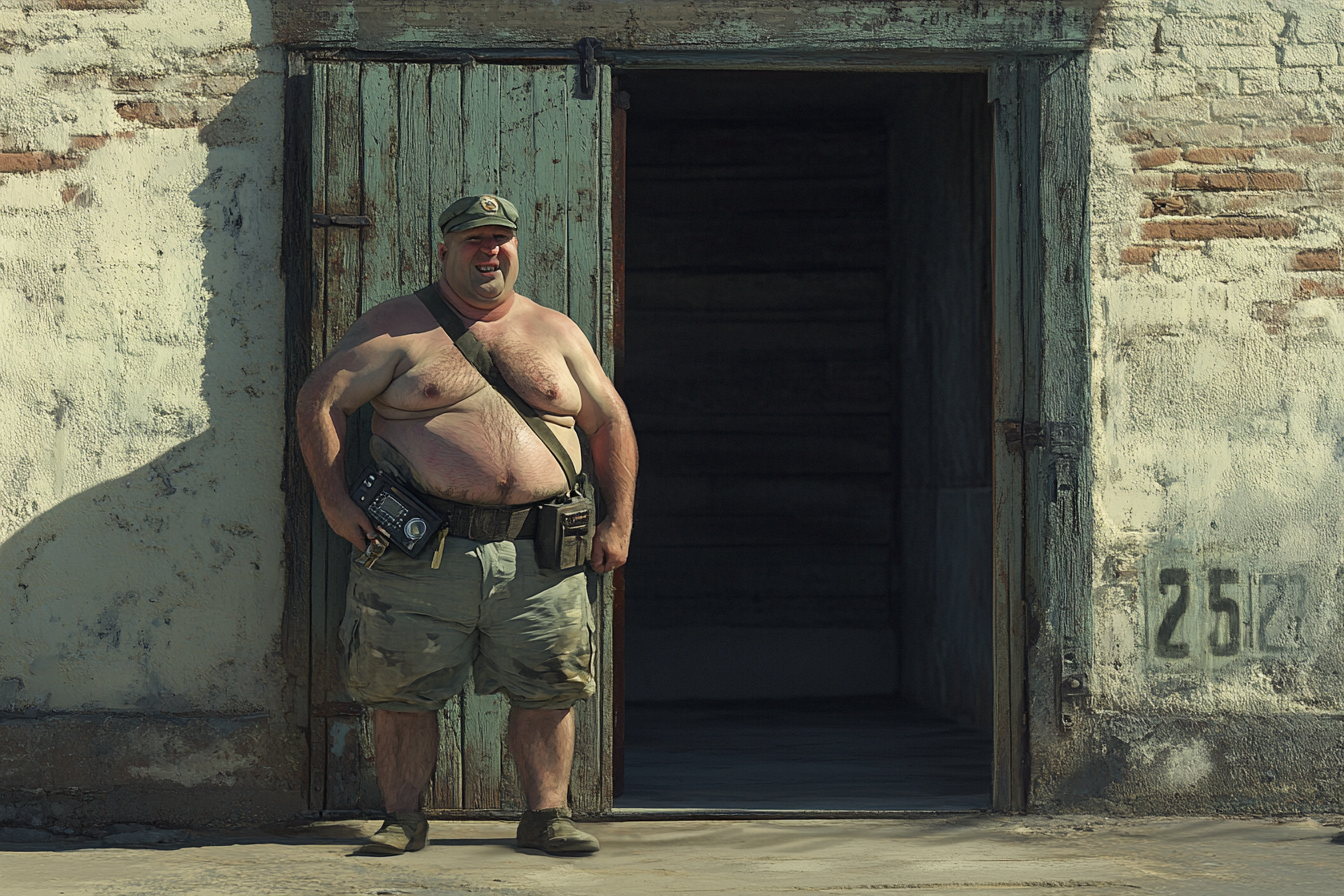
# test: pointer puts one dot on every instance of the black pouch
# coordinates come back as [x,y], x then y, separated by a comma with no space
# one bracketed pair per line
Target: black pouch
[564,538]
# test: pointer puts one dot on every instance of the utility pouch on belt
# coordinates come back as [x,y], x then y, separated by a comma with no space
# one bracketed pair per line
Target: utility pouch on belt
[564,537]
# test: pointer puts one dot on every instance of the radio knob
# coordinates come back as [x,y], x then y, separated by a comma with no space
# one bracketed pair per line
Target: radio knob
[415,528]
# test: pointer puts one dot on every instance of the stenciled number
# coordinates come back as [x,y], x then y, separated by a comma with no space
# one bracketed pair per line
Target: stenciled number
[1164,647]
[1219,605]
[1224,605]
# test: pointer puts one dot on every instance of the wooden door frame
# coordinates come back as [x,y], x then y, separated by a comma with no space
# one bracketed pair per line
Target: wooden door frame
[1041,369]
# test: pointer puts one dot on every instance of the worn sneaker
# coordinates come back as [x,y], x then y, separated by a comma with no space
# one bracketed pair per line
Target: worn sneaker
[401,832]
[550,830]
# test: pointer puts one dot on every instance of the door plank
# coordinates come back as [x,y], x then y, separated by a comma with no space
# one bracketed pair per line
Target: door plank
[445,144]
[379,90]
[533,175]
[480,128]
[415,256]
[587,182]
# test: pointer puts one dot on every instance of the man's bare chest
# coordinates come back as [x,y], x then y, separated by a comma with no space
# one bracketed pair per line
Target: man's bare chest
[438,377]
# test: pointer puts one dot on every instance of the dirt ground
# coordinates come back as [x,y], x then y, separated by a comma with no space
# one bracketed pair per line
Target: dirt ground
[961,854]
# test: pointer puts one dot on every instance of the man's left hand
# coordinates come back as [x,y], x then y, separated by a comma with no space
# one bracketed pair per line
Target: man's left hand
[611,544]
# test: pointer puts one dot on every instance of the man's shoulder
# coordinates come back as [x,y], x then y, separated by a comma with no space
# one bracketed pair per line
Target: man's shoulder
[401,316]
[547,319]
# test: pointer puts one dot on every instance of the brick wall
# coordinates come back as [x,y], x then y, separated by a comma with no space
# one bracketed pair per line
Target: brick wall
[1218,405]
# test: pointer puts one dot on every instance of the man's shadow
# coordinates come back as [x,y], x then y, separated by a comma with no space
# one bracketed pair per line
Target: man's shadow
[143,645]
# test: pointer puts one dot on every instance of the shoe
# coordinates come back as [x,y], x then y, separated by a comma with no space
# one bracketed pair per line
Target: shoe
[401,832]
[550,830]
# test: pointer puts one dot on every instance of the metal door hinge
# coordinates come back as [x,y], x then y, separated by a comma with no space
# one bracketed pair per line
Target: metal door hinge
[342,221]
[1020,435]
[589,47]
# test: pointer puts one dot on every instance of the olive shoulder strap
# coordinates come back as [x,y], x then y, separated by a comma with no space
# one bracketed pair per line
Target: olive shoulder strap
[479,357]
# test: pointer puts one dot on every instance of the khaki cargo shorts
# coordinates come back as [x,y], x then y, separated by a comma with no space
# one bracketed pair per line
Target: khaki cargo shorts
[412,633]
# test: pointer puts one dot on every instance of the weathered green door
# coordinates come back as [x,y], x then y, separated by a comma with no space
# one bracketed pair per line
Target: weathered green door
[392,144]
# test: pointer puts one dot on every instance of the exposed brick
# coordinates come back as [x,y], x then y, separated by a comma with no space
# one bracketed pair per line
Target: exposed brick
[1168,205]
[70,192]
[33,162]
[1219,228]
[1235,202]
[1314,289]
[136,83]
[158,115]
[1137,138]
[1278,229]
[1276,180]
[1138,254]
[1272,315]
[100,4]
[1240,180]
[1219,155]
[1315,260]
[88,143]
[1228,180]
[1316,133]
[1156,158]
[24,162]
[1151,181]
[1146,209]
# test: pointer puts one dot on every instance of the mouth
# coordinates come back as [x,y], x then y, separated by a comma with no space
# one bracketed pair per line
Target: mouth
[488,268]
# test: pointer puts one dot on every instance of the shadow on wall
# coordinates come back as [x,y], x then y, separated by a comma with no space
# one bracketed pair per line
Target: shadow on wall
[143,645]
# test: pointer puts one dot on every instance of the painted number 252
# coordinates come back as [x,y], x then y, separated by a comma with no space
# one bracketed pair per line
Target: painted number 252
[1225,632]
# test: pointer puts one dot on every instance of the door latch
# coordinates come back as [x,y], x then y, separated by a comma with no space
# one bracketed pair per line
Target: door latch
[342,221]
[1020,435]
[589,47]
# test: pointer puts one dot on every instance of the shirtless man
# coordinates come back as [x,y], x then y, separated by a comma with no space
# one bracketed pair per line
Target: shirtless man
[415,628]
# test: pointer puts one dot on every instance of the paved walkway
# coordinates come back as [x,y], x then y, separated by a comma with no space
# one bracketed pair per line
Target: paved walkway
[965,855]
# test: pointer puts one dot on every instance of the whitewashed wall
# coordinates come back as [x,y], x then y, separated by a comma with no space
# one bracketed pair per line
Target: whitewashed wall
[141,385]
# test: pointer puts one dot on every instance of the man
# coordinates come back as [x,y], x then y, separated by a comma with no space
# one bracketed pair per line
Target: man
[415,628]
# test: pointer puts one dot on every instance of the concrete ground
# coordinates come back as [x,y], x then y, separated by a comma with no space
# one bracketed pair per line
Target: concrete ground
[961,854]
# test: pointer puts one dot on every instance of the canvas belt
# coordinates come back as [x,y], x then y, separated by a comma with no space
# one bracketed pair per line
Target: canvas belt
[482,522]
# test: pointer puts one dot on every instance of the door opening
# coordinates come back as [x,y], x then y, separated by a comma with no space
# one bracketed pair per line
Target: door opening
[808,308]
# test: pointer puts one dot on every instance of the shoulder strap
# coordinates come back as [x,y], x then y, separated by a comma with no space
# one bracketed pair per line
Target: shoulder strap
[479,357]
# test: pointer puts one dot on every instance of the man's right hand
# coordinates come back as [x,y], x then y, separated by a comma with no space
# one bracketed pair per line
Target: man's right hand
[351,523]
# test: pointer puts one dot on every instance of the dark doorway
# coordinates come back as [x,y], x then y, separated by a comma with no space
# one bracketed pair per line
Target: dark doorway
[808,364]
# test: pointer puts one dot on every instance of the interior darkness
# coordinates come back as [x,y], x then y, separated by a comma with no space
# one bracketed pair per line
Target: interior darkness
[807,362]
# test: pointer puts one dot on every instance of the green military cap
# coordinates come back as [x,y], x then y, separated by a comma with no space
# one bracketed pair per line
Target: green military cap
[478,211]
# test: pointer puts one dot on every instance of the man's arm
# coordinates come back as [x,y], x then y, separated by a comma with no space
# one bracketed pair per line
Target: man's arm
[604,418]
[357,370]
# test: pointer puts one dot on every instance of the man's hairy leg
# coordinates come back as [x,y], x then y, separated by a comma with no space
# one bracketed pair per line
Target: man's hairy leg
[542,744]
[406,746]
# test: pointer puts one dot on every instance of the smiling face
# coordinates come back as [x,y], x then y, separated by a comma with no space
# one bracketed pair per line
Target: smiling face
[480,265]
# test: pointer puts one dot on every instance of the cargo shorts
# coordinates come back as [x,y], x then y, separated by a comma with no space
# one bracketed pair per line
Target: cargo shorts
[412,634]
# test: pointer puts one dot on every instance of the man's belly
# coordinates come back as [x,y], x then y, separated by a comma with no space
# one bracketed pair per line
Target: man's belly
[480,452]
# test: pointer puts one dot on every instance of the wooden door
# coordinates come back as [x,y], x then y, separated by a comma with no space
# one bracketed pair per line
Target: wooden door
[392,144]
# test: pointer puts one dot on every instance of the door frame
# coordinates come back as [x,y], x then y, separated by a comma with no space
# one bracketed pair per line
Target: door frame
[1041,372]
